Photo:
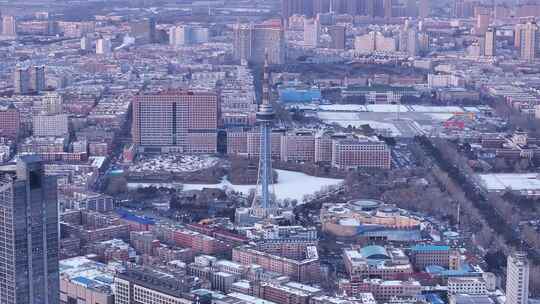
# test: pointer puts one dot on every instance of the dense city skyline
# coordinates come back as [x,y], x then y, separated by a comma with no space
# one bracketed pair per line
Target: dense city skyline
[269,152]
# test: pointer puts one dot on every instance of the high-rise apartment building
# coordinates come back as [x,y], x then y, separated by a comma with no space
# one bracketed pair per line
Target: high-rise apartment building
[412,42]
[51,103]
[502,12]
[338,37]
[10,121]
[310,8]
[352,153]
[458,9]
[9,26]
[144,31]
[180,35]
[423,42]
[50,125]
[37,78]
[199,34]
[103,46]
[242,42]
[186,35]
[255,42]
[21,81]
[408,40]
[517,35]
[29,272]
[297,7]
[298,146]
[321,6]
[86,43]
[378,8]
[529,41]
[424,8]
[490,42]
[312,32]
[366,43]
[349,7]
[268,42]
[483,20]
[26,80]
[374,41]
[182,121]
[370,8]
[517,279]
[412,8]
[387,8]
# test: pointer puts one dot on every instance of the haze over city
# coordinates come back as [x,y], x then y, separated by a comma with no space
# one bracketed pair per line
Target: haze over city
[269,152]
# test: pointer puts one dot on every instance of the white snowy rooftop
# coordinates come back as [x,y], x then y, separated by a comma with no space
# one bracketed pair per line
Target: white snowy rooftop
[511,181]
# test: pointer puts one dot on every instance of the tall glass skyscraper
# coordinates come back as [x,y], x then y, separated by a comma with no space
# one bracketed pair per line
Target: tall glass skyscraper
[28,234]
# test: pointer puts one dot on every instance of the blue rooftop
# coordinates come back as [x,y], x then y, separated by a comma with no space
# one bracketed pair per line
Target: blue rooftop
[434,298]
[124,214]
[299,95]
[464,270]
[430,248]
[85,281]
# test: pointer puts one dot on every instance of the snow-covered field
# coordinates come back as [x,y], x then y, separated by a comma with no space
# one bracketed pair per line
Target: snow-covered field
[511,181]
[441,116]
[291,185]
[174,163]
[382,117]
[346,119]
[436,109]
[386,108]
[343,107]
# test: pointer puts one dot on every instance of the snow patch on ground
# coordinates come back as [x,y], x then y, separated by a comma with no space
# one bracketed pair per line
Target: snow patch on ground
[343,107]
[291,185]
[436,109]
[387,108]
[441,116]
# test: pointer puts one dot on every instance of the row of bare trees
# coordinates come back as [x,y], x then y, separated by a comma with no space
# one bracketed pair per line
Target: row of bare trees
[508,211]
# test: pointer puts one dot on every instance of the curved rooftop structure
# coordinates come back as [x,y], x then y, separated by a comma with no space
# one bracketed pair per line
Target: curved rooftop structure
[369,216]
[338,209]
[364,204]
[374,252]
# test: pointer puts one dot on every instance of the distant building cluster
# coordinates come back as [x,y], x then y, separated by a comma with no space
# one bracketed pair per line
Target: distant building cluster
[28,80]
[139,142]
[252,42]
[305,146]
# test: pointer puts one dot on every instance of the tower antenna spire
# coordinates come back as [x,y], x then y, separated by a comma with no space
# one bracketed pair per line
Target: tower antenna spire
[263,204]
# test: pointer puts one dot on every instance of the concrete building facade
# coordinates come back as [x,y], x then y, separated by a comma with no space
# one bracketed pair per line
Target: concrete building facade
[182,121]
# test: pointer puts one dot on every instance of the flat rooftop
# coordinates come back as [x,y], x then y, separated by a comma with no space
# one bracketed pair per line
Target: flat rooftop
[510,181]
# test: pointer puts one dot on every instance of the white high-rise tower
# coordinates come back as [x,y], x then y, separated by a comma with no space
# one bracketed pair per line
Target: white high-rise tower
[517,279]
